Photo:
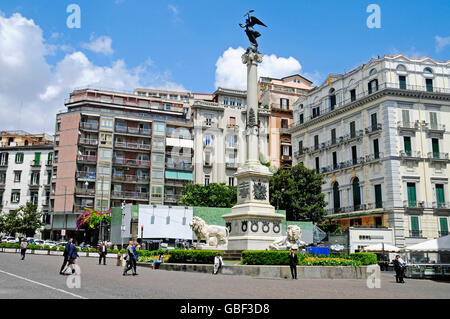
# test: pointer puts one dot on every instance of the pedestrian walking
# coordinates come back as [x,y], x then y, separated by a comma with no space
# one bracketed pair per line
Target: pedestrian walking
[66,255]
[102,251]
[73,255]
[131,258]
[23,248]
[293,262]
[399,267]
[218,262]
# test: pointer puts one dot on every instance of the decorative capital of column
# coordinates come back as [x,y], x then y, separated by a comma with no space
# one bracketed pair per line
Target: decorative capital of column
[252,56]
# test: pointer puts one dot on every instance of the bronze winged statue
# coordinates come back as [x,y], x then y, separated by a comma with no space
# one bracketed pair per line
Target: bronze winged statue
[249,24]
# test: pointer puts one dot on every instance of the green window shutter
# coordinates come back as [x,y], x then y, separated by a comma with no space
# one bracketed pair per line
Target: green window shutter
[414,223]
[356,194]
[17,158]
[402,80]
[378,197]
[435,144]
[411,194]
[336,199]
[37,158]
[407,145]
[433,120]
[440,194]
[405,117]
[444,224]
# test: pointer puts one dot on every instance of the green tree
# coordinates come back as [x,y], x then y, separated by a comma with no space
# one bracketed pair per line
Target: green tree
[26,220]
[299,191]
[212,195]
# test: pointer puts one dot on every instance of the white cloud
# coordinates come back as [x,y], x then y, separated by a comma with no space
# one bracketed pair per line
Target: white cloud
[102,44]
[231,73]
[32,91]
[173,9]
[441,43]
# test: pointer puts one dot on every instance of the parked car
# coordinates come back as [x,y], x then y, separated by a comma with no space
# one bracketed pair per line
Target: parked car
[61,243]
[50,243]
[38,242]
[10,240]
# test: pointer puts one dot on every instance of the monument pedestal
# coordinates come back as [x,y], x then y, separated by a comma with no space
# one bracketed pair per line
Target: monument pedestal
[253,223]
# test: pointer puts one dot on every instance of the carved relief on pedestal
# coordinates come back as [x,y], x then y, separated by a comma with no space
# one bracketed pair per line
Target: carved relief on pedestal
[259,189]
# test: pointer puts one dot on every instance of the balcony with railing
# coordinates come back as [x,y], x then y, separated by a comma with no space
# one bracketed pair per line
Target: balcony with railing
[373,128]
[85,175]
[130,195]
[410,155]
[132,130]
[286,158]
[88,141]
[49,163]
[437,156]
[79,191]
[357,208]
[132,146]
[411,204]
[231,165]
[174,183]
[89,125]
[443,233]
[82,208]
[415,233]
[407,126]
[87,158]
[121,178]
[435,128]
[186,166]
[172,198]
[131,162]
[374,157]
[441,205]
[36,163]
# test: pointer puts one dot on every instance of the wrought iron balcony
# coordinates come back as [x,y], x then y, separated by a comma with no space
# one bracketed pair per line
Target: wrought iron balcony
[231,165]
[36,163]
[410,204]
[131,162]
[374,157]
[435,128]
[415,233]
[407,126]
[87,158]
[88,141]
[437,156]
[89,125]
[129,195]
[410,154]
[441,205]
[85,175]
[373,128]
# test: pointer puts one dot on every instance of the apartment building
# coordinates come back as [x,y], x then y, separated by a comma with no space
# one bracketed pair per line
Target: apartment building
[219,135]
[378,135]
[25,172]
[278,96]
[113,148]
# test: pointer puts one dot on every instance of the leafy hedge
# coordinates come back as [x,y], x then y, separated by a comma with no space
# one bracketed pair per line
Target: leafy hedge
[266,257]
[192,256]
[365,258]
[149,253]
[8,245]
[34,247]
[62,248]
[270,257]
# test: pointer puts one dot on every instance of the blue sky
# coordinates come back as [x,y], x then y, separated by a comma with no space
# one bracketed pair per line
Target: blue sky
[178,43]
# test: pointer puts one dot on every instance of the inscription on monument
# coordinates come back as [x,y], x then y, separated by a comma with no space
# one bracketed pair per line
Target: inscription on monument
[244,189]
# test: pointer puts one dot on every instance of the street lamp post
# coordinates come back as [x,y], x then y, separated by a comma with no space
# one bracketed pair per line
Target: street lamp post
[101,209]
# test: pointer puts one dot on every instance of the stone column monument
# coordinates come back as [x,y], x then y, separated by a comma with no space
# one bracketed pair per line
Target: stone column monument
[253,223]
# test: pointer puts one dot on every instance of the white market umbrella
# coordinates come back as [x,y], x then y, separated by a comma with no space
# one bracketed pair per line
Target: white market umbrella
[433,245]
[379,247]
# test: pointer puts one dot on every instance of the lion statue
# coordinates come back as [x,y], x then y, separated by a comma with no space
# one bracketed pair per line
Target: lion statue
[213,234]
[293,239]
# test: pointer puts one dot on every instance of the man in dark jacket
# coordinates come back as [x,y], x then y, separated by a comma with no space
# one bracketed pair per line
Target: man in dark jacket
[131,257]
[293,262]
[102,253]
[399,269]
[66,255]
[73,255]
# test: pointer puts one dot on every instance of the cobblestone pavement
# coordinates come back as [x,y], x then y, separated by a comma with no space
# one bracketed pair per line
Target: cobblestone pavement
[38,277]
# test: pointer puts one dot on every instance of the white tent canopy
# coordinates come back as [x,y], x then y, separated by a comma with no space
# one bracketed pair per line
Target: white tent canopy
[434,245]
[379,247]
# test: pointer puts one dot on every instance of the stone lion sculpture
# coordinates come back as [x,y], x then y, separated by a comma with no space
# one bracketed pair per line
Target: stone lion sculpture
[293,239]
[213,234]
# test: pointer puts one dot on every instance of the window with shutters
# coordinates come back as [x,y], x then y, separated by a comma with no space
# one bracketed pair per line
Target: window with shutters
[353,95]
[405,118]
[373,86]
[316,142]
[402,82]
[17,175]
[429,85]
[415,228]
[333,136]
[301,118]
[433,120]
[336,197]
[412,200]
[435,147]
[354,155]
[376,149]
[352,129]
[15,196]
[19,158]
[373,121]
[378,197]
[300,147]
[443,226]
[407,145]
[317,165]
[335,164]
[440,197]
